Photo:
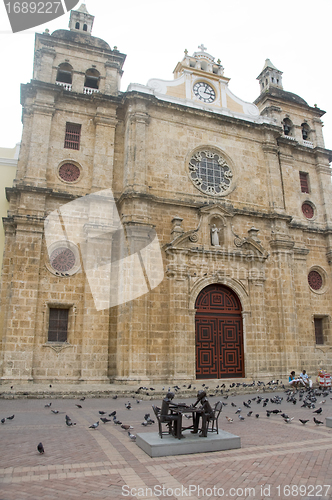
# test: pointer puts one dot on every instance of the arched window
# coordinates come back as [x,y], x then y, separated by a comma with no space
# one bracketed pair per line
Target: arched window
[77,26]
[85,27]
[287,126]
[305,131]
[65,73]
[92,79]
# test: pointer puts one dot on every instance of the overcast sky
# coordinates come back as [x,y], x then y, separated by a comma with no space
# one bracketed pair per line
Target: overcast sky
[294,34]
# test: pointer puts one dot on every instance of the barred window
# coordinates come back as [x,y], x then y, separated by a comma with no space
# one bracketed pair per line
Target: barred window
[58,325]
[304,182]
[319,331]
[73,135]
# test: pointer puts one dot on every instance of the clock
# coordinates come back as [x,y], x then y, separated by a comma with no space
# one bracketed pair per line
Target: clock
[204,92]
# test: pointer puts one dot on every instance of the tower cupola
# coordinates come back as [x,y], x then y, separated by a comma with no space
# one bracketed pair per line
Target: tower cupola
[270,76]
[80,20]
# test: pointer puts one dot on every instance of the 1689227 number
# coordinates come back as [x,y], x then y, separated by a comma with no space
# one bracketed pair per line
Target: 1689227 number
[32,7]
[303,490]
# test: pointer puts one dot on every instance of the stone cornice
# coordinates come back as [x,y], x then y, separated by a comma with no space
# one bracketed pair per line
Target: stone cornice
[190,109]
[199,205]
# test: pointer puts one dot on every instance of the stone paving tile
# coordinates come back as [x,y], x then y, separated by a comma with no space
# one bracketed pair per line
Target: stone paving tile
[276,460]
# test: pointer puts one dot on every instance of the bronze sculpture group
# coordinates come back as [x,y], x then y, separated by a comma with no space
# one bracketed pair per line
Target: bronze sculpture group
[171,413]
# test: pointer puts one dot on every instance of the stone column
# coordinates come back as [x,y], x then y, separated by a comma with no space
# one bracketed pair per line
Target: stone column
[21,301]
[134,299]
[137,120]
[182,323]
[275,190]
[42,111]
[105,123]
[287,335]
[256,341]
[324,171]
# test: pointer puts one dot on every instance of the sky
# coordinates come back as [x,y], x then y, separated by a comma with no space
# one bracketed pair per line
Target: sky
[294,34]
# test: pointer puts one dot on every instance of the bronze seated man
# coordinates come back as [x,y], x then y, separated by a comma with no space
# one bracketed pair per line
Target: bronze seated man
[168,413]
[205,412]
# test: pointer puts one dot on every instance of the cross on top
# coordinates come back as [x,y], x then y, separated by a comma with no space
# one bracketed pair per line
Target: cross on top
[203,49]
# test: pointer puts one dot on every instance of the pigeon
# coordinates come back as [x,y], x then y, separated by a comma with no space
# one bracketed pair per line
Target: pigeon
[132,436]
[238,411]
[115,397]
[126,427]
[318,411]
[229,419]
[116,421]
[112,414]
[318,422]
[241,418]
[148,419]
[94,426]
[104,420]
[249,413]
[48,405]
[3,420]
[128,405]
[288,420]
[102,412]
[69,422]
[79,406]
[284,415]
[82,399]
[40,448]
[11,417]
[257,415]
[303,421]
[55,411]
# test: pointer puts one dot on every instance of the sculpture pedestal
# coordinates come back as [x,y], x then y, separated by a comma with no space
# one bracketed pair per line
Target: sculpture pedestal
[154,446]
[328,421]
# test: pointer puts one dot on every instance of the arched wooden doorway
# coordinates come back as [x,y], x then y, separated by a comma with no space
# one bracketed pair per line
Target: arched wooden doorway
[219,333]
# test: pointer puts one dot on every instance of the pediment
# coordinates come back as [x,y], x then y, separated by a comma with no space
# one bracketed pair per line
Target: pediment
[215,209]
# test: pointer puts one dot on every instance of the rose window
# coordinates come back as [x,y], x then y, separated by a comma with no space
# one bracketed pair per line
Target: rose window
[69,172]
[62,259]
[307,210]
[315,280]
[210,172]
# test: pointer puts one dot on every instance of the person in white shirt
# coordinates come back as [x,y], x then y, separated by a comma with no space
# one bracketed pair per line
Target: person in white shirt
[304,378]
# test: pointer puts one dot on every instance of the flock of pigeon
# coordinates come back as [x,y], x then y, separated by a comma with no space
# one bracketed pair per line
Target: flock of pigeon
[103,418]
[307,398]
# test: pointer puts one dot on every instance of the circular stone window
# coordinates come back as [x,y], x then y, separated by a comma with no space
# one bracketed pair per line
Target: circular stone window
[315,280]
[69,172]
[62,259]
[210,172]
[308,210]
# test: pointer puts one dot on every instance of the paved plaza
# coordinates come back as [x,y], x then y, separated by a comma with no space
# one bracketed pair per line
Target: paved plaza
[276,459]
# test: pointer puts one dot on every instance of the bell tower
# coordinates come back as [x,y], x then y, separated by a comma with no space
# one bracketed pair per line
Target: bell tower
[270,76]
[80,20]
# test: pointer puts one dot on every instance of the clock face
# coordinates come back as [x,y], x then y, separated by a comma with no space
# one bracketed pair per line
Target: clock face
[204,92]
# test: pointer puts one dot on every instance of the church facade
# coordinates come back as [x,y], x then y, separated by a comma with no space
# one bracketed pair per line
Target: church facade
[171,232]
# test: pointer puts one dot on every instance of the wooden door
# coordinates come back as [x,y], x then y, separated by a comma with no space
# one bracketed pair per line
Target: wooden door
[219,334]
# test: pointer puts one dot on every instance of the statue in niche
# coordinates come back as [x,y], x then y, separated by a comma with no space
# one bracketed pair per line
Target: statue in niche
[215,236]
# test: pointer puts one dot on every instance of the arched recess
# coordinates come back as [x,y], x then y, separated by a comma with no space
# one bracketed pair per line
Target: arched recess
[219,333]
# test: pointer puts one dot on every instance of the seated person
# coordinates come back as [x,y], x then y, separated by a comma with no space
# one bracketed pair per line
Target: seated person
[167,416]
[205,411]
[304,379]
[294,382]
